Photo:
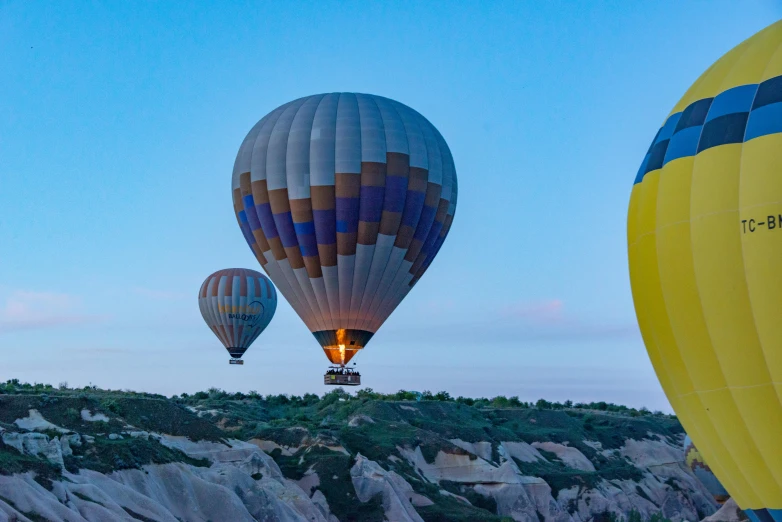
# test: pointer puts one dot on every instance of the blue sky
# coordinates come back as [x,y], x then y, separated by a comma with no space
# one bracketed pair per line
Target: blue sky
[120,121]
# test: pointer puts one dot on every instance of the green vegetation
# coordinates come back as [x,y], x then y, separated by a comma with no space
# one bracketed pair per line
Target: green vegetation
[475,498]
[381,427]
[106,455]
[512,402]
[144,411]
[449,509]
[11,462]
[86,498]
[333,469]
[137,516]
[559,476]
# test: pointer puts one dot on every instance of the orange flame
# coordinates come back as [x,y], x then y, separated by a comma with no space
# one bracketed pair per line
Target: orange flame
[343,350]
[341,335]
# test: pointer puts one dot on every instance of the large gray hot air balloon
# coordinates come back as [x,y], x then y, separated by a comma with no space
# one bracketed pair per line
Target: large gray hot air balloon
[237,305]
[345,199]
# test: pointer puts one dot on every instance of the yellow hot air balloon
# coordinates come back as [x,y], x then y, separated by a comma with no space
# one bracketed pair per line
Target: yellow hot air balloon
[694,461]
[704,234]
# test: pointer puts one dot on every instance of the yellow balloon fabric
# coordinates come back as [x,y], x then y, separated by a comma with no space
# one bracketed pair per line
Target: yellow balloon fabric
[704,234]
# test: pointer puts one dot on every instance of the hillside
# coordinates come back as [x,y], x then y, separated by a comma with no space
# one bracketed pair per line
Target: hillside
[100,455]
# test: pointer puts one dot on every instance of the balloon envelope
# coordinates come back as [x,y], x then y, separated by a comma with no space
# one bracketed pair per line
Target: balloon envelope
[704,247]
[237,305]
[345,199]
[694,461]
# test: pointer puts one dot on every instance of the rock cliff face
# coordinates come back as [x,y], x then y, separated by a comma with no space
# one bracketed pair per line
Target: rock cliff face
[665,487]
[370,480]
[241,484]
[96,458]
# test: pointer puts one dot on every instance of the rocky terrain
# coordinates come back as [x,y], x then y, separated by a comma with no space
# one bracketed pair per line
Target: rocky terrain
[97,455]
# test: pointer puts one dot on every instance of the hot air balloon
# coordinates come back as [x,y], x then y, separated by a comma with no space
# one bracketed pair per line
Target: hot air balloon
[704,232]
[696,464]
[237,305]
[345,200]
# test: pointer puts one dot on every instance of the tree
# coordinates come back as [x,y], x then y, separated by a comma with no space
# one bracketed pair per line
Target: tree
[404,395]
[443,396]
[368,394]
[543,404]
[500,401]
[310,399]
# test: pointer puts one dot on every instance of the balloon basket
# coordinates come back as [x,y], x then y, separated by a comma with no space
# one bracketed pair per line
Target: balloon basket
[235,361]
[339,376]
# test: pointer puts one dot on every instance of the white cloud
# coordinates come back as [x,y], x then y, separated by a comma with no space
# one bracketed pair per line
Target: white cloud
[30,310]
[544,320]
[550,310]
